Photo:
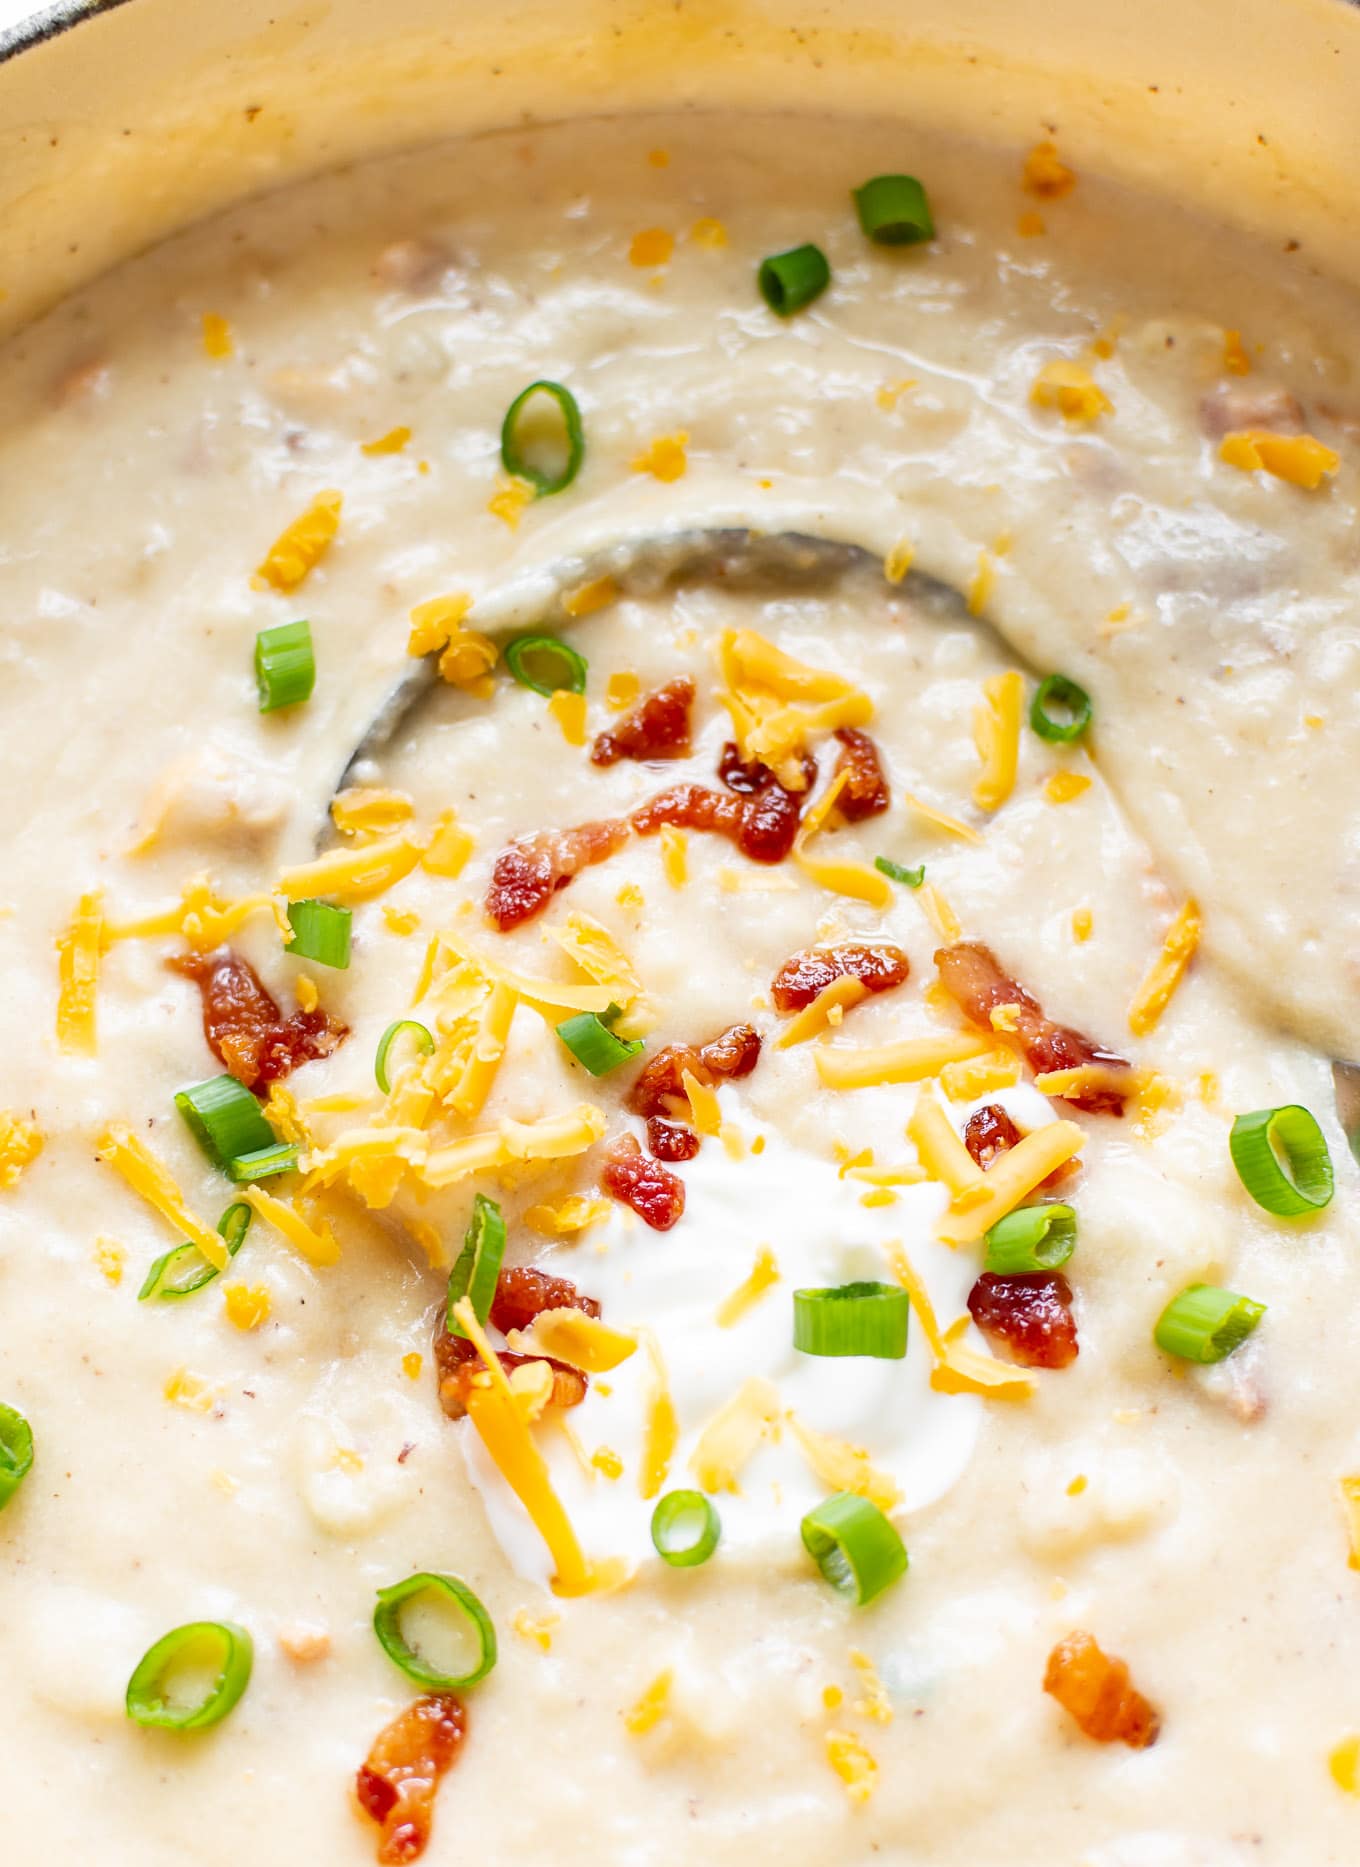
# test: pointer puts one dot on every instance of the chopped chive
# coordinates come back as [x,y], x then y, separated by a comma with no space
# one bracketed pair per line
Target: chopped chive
[424,1042]
[225,1119]
[264,1162]
[589,1039]
[789,281]
[1074,710]
[893,210]
[1036,1238]
[857,1550]
[852,1319]
[1282,1159]
[685,1529]
[185,1269]
[285,665]
[158,1693]
[530,454]
[478,1266]
[546,665]
[897,872]
[1206,1324]
[448,1593]
[16,1451]
[321,932]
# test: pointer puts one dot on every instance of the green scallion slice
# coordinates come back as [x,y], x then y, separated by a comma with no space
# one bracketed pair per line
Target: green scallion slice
[852,1319]
[685,1529]
[185,1269]
[285,665]
[1282,1159]
[546,665]
[589,1039]
[1036,1238]
[478,1264]
[893,210]
[436,1600]
[543,444]
[192,1677]
[424,1042]
[265,1162]
[857,1550]
[897,872]
[1205,1323]
[1074,710]
[321,932]
[16,1451]
[225,1119]
[789,281]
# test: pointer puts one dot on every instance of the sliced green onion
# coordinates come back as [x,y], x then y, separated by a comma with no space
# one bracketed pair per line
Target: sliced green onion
[1036,1238]
[523,452]
[169,1690]
[264,1162]
[593,1044]
[893,210]
[449,1598]
[225,1119]
[855,1547]
[424,1040]
[1205,1323]
[897,872]
[685,1529]
[1074,710]
[546,665]
[852,1319]
[478,1265]
[1282,1159]
[790,280]
[321,932]
[285,665]
[185,1269]
[16,1451]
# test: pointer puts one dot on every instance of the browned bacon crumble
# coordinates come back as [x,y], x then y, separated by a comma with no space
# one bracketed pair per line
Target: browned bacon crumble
[1028,1315]
[865,792]
[989,1133]
[670,1140]
[660,1089]
[801,978]
[761,818]
[530,870]
[648,1188]
[658,727]
[397,1783]
[1097,1692]
[971,973]
[245,1029]
[521,1294]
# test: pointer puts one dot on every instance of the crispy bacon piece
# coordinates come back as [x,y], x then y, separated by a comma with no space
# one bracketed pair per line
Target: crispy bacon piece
[670,1140]
[1097,1692]
[971,973]
[523,1293]
[520,1295]
[761,819]
[658,727]
[244,1027]
[530,870]
[801,978]
[651,1190]
[866,791]
[989,1133]
[398,1781]
[744,776]
[1029,1315]
[660,1089]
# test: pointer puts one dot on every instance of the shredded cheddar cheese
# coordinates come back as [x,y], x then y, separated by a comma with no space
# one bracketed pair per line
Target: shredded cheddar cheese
[316,1243]
[957,1370]
[110,1258]
[1070,389]
[1235,359]
[899,561]
[652,247]
[776,701]
[573,1216]
[217,341]
[621,691]
[390,443]
[120,1148]
[1350,1504]
[20,1144]
[1082,923]
[587,598]
[887,396]
[538,1629]
[939,913]
[1343,1764]
[731,1437]
[981,584]
[352,874]
[78,953]
[436,622]
[1045,174]
[191,1391]
[709,232]
[841,1466]
[304,990]
[604,1459]
[908,1061]
[1019,1170]
[554,1137]
[571,1336]
[511,496]
[941,820]
[661,1432]
[1167,970]
[996,734]
[650,1708]
[704,1107]
[665,459]
[569,710]
[977,1076]
[1062,786]
[942,1153]
[854,879]
[1298,458]
[369,810]
[875,1704]
[300,547]
[445,854]
[853,1762]
[674,859]
[839,996]
[739,1302]
[246,1305]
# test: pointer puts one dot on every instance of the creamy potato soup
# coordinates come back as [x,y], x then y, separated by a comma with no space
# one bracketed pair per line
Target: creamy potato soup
[734,1243]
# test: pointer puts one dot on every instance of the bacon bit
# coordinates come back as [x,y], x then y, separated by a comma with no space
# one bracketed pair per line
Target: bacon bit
[1096,1691]
[744,776]
[801,978]
[989,1132]
[763,823]
[1029,1315]
[657,729]
[397,1783]
[243,1025]
[651,1191]
[971,973]
[670,1140]
[521,1294]
[525,1292]
[529,871]
[660,1088]
[305,1645]
[865,793]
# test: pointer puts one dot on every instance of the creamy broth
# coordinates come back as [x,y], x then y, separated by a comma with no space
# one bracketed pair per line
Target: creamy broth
[276,1476]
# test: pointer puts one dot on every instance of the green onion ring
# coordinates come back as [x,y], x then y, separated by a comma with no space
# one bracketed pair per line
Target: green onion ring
[1064,693]
[893,210]
[478,1266]
[321,932]
[898,872]
[1036,1238]
[516,461]
[424,1040]
[221,1645]
[387,1626]
[589,1039]
[178,1273]
[16,1451]
[788,281]
[224,1118]
[1205,1323]
[1282,1159]
[868,1319]
[568,669]
[285,665]
[857,1550]
[685,1529]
